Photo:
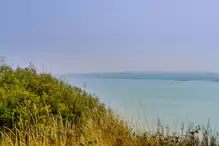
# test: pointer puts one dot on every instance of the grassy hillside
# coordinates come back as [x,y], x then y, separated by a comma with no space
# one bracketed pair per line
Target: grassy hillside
[39,109]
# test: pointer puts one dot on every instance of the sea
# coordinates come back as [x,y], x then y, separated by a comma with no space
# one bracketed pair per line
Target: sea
[175,100]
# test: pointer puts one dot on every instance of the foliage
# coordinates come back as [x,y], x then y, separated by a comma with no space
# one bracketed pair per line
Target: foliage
[35,105]
[24,91]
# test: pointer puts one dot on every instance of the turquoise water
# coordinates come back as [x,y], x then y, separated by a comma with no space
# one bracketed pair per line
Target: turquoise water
[142,101]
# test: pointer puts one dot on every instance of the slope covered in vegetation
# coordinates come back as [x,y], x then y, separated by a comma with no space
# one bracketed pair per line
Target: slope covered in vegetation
[45,107]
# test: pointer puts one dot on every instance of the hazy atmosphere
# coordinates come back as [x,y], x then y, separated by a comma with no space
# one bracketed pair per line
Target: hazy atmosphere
[109,72]
[99,36]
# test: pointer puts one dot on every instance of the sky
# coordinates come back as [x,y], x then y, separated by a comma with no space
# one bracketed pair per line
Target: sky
[78,36]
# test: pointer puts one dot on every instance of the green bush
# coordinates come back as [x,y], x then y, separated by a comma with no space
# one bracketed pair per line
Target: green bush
[24,92]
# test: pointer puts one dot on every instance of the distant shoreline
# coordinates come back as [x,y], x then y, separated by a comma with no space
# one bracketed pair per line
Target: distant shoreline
[177,76]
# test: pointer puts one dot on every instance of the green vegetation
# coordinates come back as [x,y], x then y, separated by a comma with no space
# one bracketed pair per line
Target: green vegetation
[39,109]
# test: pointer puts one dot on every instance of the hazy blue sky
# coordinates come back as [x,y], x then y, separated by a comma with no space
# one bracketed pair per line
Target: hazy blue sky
[115,35]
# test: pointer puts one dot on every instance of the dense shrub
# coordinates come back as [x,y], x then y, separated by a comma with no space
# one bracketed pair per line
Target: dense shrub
[24,91]
[42,109]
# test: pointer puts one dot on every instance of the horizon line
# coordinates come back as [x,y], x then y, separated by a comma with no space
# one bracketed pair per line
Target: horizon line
[104,72]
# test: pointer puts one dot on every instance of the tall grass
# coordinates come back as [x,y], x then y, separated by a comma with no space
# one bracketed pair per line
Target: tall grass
[111,131]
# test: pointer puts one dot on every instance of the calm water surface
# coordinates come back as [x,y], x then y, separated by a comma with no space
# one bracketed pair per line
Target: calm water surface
[143,101]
